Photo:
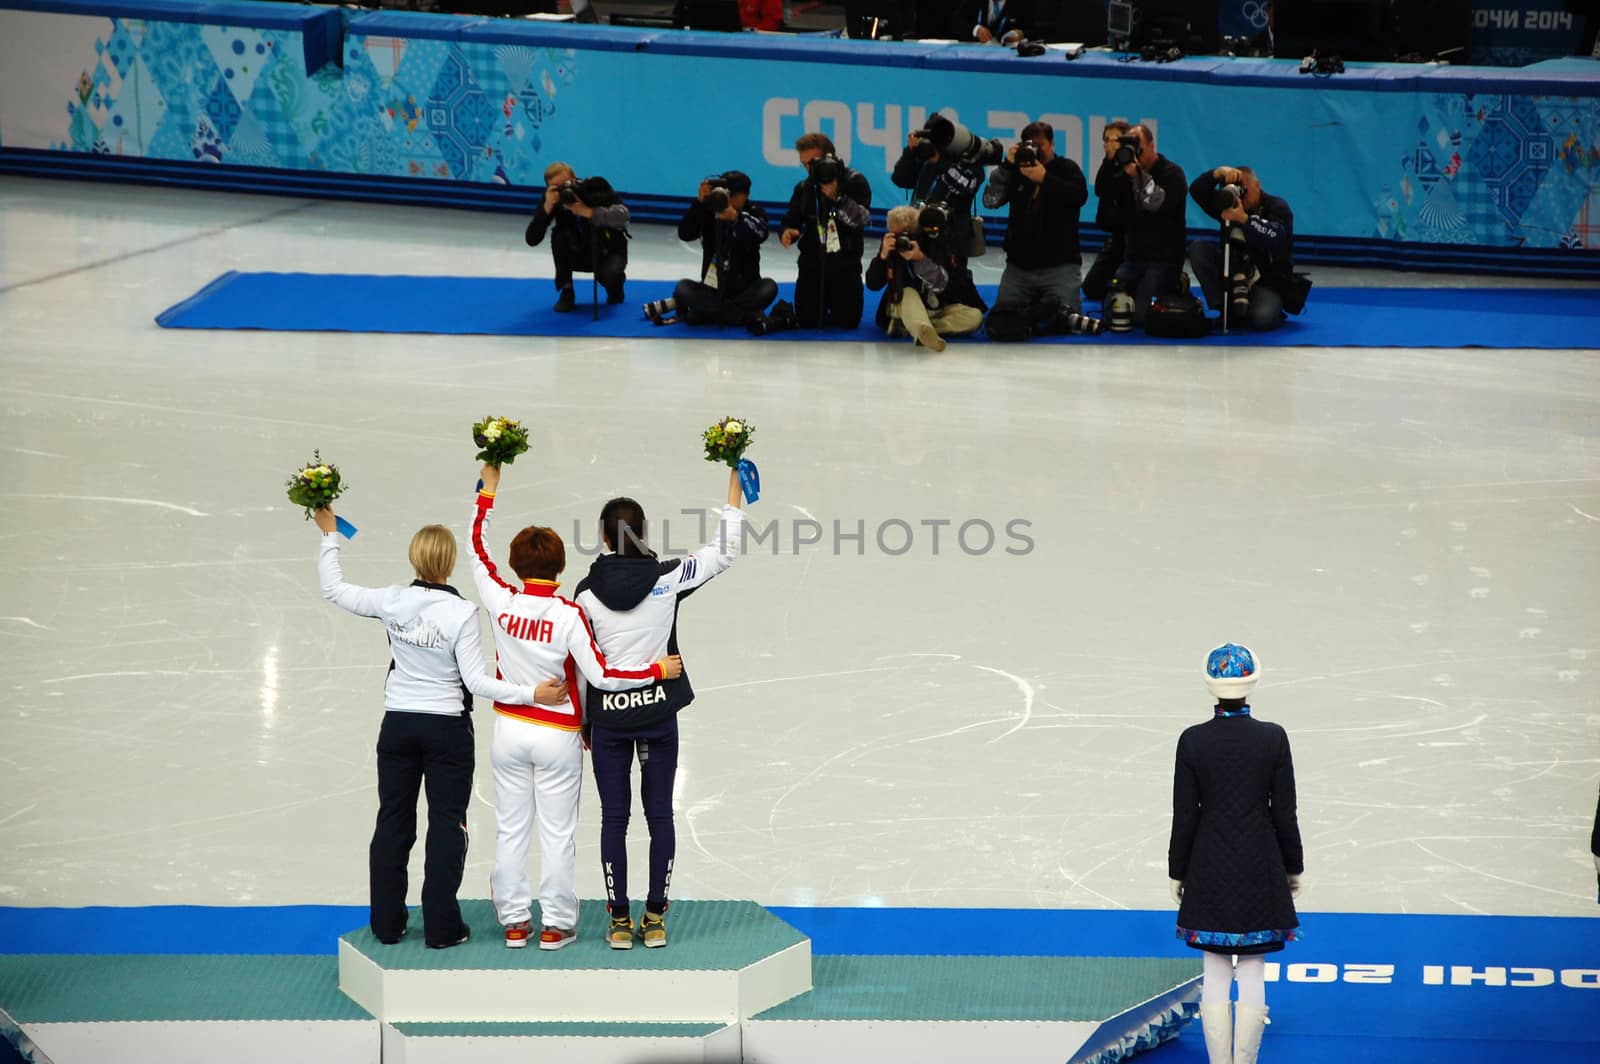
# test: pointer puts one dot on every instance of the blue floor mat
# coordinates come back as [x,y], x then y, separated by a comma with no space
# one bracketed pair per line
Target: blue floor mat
[1334,317]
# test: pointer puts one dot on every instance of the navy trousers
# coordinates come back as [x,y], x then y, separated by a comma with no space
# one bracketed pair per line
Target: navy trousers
[416,750]
[612,754]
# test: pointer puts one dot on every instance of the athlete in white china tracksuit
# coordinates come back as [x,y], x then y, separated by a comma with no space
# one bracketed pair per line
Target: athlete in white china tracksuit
[426,735]
[537,753]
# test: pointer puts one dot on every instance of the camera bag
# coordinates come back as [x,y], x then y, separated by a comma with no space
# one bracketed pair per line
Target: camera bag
[1176,316]
[1009,325]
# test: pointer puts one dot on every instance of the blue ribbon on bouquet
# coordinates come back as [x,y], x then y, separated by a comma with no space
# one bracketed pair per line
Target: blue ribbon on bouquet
[749,480]
[343,527]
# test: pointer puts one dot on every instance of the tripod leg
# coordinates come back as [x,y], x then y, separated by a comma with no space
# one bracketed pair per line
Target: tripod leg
[1227,281]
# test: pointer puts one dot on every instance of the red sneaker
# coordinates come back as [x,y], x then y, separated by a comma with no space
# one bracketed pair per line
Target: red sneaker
[556,938]
[517,934]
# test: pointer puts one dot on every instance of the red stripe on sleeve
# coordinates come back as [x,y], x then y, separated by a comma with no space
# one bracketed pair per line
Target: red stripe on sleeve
[485,504]
[649,673]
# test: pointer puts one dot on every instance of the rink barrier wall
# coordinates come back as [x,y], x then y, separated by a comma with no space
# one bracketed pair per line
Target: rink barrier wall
[1404,165]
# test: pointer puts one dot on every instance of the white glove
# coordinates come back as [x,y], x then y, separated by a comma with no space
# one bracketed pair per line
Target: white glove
[1294,886]
[1177,889]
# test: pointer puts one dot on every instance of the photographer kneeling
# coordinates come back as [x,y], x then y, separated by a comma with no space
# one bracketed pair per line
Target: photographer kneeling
[1045,191]
[1259,228]
[591,232]
[731,229]
[927,293]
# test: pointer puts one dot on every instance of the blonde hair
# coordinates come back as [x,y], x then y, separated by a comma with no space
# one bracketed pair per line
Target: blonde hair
[553,169]
[904,216]
[433,553]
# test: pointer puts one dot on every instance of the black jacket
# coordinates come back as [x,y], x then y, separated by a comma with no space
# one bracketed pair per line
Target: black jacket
[734,246]
[574,238]
[955,185]
[950,284]
[1113,197]
[1269,233]
[1043,228]
[1154,215]
[1235,838]
[850,213]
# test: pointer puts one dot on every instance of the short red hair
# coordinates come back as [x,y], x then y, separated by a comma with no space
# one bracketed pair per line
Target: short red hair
[538,553]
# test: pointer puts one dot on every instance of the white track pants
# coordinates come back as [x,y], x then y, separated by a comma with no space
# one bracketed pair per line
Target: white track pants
[538,775]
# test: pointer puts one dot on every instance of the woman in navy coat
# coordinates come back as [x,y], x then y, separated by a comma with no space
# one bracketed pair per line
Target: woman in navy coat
[1235,859]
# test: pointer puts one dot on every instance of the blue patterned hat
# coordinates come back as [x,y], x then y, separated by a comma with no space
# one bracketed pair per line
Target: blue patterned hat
[1231,671]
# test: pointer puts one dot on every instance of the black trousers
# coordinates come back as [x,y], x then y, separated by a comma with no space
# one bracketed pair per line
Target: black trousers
[1098,279]
[831,294]
[417,749]
[611,271]
[700,304]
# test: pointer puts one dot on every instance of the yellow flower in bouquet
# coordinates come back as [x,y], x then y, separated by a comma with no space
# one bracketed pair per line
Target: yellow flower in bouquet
[727,440]
[315,485]
[500,440]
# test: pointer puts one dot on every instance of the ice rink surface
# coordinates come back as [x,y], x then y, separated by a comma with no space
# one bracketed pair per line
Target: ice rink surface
[1410,540]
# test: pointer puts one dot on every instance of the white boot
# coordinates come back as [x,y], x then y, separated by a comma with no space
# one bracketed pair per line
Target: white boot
[1216,1020]
[1252,1023]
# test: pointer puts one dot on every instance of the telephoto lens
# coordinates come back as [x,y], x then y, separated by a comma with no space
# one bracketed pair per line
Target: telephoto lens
[1082,324]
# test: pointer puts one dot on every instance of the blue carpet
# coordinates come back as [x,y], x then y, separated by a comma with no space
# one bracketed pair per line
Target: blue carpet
[1357,988]
[1335,317]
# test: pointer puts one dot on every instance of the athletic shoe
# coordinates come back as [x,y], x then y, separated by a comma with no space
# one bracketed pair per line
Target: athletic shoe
[462,936]
[566,301]
[621,934]
[653,929]
[614,295]
[517,934]
[555,937]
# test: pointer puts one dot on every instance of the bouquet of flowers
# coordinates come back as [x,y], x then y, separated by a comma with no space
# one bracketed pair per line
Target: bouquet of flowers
[501,440]
[727,439]
[315,485]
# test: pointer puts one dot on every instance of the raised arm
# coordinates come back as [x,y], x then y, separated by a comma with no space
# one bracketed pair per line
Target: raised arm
[493,591]
[711,559]
[361,601]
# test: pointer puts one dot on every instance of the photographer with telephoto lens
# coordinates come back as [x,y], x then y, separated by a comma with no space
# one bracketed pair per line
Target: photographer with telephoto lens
[731,229]
[590,232]
[1259,231]
[826,216]
[1045,192]
[940,165]
[926,292]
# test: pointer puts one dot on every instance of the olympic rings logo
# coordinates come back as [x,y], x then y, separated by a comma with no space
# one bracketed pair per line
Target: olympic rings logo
[1256,12]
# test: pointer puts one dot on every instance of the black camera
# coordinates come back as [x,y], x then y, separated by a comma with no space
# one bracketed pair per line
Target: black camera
[903,242]
[825,169]
[932,220]
[1227,198]
[567,193]
[956,142]
[717,198]
[1127,149]
[1027,154]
